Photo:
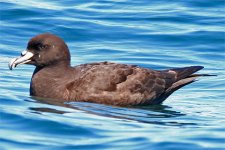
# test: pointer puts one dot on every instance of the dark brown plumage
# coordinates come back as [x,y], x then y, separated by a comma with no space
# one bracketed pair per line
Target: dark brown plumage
[103,82]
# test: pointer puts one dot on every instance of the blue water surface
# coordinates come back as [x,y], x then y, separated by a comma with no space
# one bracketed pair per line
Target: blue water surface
[155,34]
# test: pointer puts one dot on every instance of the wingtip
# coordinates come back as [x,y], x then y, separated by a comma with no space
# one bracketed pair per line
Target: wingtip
[186,71]
[198,67]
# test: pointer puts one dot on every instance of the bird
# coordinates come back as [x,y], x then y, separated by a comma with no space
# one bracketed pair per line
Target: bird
[106,83]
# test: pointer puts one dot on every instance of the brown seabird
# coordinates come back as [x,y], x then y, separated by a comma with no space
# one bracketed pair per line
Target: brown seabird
[101,82]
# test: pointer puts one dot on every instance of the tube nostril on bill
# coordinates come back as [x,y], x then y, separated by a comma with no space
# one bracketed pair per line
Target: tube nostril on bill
[23,53]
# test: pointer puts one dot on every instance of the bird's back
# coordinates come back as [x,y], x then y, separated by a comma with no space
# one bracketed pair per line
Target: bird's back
[118,84]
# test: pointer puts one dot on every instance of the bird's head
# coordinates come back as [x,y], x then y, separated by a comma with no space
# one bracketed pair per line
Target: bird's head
[43,50]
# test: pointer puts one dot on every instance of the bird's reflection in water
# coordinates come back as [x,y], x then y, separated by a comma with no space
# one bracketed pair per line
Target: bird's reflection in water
[44,109]
[154,114]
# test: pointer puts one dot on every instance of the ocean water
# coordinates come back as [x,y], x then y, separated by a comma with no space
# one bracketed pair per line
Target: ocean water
[154,34]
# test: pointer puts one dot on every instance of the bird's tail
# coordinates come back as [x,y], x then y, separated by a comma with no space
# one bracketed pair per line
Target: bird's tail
[185,72]
[184,76]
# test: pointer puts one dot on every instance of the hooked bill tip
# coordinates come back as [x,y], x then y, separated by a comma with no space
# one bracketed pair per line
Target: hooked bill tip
[11,63]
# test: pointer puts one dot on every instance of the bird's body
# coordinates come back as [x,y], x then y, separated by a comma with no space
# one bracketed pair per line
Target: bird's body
[103,82]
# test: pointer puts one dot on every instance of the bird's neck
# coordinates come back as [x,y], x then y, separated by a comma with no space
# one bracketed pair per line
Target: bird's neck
[49,77]
[59,67]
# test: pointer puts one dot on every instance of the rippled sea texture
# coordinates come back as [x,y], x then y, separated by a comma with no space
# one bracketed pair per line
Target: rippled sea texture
[155,34]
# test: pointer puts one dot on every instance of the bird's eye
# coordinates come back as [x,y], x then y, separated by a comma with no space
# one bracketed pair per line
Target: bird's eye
[42,46]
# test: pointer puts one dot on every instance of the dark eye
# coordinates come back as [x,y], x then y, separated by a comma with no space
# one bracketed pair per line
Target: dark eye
[42,46]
